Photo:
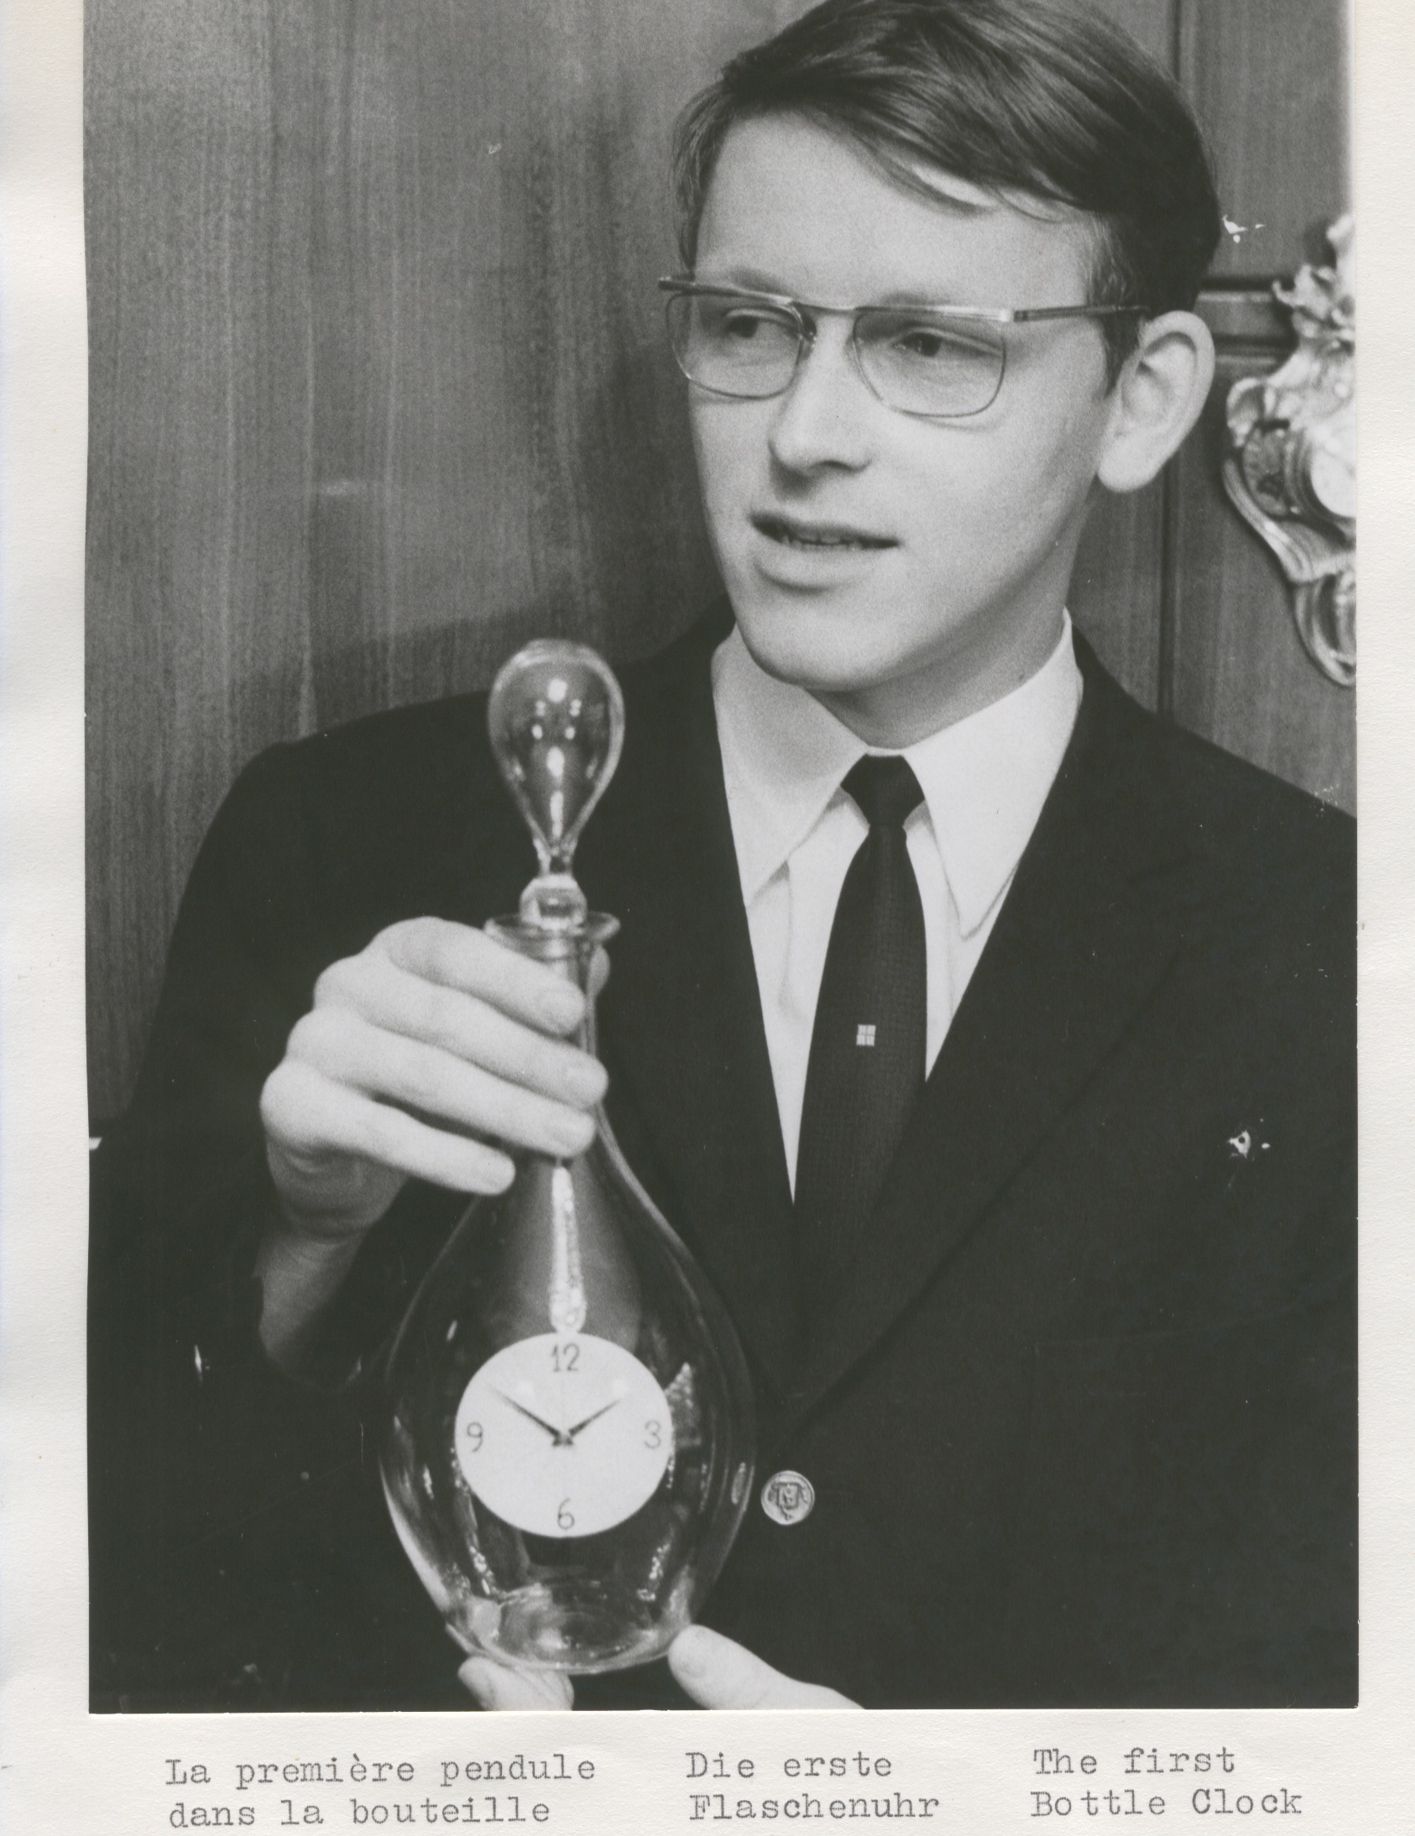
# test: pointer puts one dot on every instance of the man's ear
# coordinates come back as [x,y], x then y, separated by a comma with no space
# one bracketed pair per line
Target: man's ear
[1157,398]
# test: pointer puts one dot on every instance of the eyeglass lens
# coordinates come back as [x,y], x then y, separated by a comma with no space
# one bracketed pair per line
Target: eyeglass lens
[914,362]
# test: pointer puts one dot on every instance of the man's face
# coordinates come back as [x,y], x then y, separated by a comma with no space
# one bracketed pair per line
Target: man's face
[968,528]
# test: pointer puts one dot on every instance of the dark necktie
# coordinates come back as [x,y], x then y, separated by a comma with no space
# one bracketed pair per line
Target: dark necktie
[866,1065]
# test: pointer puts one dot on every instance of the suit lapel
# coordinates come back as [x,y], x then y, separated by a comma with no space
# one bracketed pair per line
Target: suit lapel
[1087,930]
[691,1091]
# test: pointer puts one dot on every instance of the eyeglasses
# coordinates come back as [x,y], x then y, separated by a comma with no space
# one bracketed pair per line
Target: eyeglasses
[941,362]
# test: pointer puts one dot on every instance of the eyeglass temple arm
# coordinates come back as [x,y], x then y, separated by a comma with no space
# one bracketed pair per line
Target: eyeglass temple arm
[1023,313]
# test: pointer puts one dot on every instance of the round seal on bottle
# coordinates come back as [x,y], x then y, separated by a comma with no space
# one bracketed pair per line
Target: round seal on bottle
[788,1498]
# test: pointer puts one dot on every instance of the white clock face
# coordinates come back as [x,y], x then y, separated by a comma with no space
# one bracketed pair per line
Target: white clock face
[563,1434]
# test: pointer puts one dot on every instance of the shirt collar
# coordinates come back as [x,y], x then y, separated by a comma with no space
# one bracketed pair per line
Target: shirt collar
[984,779]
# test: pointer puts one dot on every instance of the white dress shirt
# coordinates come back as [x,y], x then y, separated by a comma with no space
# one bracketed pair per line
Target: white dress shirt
[795,831]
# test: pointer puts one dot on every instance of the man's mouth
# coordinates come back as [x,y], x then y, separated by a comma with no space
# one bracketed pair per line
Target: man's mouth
[791,532]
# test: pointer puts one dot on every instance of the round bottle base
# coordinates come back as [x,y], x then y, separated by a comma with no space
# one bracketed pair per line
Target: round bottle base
[580,1626]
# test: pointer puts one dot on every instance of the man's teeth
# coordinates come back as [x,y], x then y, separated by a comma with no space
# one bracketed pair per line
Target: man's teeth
[794,539]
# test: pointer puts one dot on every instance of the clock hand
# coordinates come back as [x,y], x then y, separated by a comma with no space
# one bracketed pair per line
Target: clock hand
[570,1433]
[558,1438]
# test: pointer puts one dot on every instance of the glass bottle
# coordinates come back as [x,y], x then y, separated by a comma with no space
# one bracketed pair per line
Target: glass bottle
[569,1438]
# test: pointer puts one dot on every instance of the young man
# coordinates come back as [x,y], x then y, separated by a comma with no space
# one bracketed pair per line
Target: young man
[1052,1311]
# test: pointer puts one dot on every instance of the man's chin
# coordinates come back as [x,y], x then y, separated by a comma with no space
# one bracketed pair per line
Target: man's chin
[796,649]
[797,664]
[888,700]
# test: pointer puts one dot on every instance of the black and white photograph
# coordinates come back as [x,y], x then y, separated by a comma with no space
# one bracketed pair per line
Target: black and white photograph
[721,895]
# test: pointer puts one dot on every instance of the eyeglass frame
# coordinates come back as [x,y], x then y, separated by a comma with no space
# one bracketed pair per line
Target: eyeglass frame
[687,285]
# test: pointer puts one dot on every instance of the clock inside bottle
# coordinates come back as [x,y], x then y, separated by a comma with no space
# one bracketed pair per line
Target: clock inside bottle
[564,1435]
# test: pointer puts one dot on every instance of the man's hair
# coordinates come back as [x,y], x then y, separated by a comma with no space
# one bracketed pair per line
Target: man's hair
[1013,95]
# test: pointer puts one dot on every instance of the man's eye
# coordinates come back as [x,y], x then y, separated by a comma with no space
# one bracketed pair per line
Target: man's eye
[934,345]
[750,324]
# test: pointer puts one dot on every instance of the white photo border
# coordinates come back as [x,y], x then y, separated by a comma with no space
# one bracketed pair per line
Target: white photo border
[64,1770]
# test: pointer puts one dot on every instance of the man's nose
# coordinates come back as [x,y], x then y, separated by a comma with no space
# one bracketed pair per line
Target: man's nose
[827,412]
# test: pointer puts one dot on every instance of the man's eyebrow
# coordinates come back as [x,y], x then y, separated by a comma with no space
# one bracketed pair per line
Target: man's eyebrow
[750,280]
[921,296]
[758,280]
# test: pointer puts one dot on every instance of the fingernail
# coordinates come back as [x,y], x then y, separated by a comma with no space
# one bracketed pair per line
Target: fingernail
[574,1133]
[586,1080]
[562,1007]
[481,1679]
[692,1650]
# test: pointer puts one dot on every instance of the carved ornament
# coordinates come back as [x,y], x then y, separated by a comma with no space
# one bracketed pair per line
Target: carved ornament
[1290,468]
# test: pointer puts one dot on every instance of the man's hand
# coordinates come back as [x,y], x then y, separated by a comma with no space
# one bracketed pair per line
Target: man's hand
[502,1686]
[420,1056]
[719,1674]
[714,1671]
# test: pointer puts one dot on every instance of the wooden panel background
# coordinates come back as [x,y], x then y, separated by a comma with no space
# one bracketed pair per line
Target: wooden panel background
[378,390]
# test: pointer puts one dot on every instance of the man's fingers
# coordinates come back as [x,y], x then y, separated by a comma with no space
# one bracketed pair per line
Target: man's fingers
[458,957]
[424,1056]
[714,1671]
[466,1025]
[435,1083]
[309,1118]
[499,1686]
[719,1674]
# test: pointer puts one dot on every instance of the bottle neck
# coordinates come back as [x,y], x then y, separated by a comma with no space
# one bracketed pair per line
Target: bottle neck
[577,966]
[570,954]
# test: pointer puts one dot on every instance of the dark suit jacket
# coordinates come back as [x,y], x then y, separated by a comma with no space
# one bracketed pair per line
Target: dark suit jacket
[1082,1429]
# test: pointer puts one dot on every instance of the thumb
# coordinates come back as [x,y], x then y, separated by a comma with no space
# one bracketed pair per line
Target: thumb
[503,1686]
[720,1674]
